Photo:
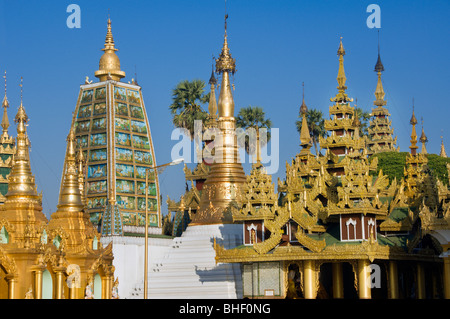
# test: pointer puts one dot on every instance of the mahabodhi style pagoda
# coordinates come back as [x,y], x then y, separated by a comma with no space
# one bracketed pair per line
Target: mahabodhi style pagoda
[112,132]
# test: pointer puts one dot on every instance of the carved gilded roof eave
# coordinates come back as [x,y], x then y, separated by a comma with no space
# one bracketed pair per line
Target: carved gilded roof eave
[380,110]
[338,123]
[190,199]
[172,205]
[264,213]
[389,225]
[347,141]
[430,221]
[200,171]
[341,108]
[343,252]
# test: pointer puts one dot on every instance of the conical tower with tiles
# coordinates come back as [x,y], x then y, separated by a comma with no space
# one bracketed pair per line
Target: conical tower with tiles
[112,132]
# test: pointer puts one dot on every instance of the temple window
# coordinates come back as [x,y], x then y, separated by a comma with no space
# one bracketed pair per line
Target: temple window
[95,243]
[57,241]
[44,237]
[351,224]
[4,236]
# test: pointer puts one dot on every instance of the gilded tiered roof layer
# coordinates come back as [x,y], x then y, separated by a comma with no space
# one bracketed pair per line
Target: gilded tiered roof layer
[343,125]
[380,129]
[313,200]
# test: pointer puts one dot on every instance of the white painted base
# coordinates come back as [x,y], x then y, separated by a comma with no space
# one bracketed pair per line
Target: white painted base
[128,260]
[188,270]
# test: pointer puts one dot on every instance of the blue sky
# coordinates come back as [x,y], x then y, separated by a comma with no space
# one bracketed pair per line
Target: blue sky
[277,46]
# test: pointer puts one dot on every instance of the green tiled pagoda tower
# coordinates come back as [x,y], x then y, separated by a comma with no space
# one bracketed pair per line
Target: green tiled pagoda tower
[113,132]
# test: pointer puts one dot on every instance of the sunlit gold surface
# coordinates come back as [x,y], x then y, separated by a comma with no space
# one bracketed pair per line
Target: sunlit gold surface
[109,65]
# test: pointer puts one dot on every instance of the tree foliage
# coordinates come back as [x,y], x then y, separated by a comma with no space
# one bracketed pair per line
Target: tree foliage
[253,117]
[364,118]
[186,107]
[393,163]
[316,126]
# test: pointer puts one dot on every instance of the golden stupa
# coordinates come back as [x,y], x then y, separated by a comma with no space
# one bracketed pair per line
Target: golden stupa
[40,259]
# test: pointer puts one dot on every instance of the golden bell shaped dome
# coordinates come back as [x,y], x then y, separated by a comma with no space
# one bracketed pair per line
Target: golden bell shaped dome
[109,65]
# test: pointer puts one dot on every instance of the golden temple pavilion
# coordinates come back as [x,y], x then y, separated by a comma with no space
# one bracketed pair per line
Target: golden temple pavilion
[339,228]
[60,258]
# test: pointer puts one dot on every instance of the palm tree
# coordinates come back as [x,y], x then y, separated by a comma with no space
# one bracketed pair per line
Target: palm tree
[252,117]
[364,118]
[316,126]
[187,98]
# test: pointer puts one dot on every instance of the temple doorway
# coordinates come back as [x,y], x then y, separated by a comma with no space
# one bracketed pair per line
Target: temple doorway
[294,290]
[349,281]
[325,290]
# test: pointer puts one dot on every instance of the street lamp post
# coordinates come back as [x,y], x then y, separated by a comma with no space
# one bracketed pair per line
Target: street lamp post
[175,162]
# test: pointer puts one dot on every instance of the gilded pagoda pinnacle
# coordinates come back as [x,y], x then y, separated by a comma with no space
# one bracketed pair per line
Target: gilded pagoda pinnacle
[423,139]
[413,122]
[109,66]
[212,106]
[442,153]
[21,181]
[223,186]
[305,137]
[5,121]
[379,91]
[70,197]
[341,78]
[225,65]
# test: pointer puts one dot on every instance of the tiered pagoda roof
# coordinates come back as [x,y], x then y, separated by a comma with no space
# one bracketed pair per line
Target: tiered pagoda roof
[343,126]
[354,215]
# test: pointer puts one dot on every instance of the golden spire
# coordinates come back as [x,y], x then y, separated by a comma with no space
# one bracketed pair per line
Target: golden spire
[109,66]
[212,106]
[305,137]
[5,121]
[21,181]
[442,153]
[413,122]
[423,139]
[341,78]
[70,196]
[379,91]
[225,64]
[81,162]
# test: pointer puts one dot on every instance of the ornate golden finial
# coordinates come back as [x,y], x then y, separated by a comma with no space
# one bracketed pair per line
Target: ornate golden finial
[379,91]
[21,117]
[5,121]
[305,137]
[5,103]
[212,105]
[413,140]
[225,65]
[442,152]
[423,139]
[341,78]
[379,66]
[109,64]
[303,107]
[413,120]
[70,197]
[21,181]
